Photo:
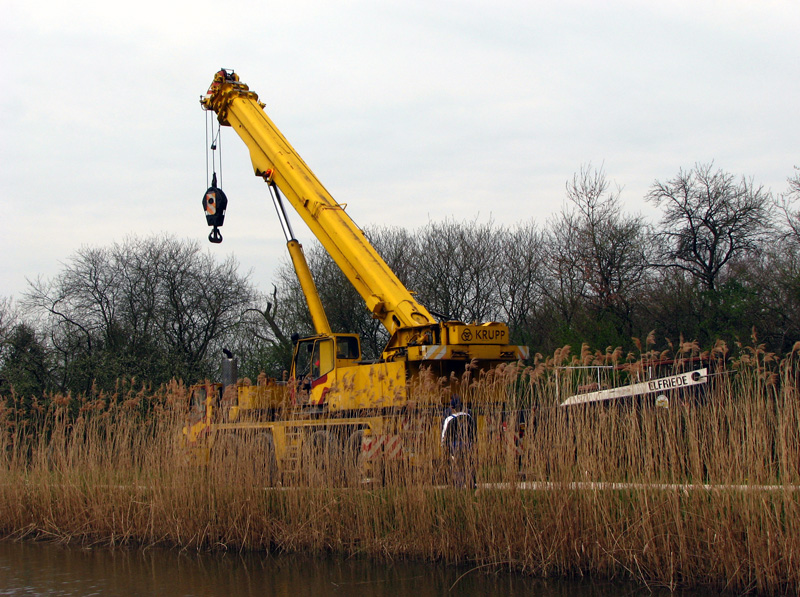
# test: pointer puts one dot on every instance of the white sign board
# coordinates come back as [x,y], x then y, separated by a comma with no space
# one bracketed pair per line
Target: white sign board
[662,384]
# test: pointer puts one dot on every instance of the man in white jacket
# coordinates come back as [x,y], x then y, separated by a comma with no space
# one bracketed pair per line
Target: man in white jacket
[458,440]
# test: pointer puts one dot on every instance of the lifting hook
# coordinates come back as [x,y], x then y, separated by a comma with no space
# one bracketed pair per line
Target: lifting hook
[214,204]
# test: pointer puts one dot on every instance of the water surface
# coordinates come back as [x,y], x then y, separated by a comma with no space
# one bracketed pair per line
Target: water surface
[50,569]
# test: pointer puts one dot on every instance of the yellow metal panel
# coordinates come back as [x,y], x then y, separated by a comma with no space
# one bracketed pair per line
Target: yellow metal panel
[378,385]
[315,308]
[486,333]
[267,396]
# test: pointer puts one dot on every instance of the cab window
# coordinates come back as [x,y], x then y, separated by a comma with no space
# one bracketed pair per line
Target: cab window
[314,358]
[347,348]
[302,365]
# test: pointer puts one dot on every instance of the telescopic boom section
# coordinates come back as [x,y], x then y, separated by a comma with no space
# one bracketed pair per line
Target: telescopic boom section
[315,308]
[275,159]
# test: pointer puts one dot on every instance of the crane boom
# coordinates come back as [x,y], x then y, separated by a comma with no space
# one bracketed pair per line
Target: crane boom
[417,339]
[276,160]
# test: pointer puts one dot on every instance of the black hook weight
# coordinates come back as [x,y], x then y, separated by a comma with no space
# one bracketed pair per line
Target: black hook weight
[215,203]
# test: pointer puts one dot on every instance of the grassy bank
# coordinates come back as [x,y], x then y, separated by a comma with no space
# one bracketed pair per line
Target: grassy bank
[111,469]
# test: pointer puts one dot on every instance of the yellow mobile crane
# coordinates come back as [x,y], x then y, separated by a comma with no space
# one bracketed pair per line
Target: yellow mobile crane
[330,388]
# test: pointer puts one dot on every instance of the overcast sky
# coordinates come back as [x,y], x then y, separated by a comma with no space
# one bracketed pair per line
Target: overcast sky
[407,111]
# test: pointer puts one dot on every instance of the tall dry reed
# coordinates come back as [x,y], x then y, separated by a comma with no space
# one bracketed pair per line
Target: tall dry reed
[702,493]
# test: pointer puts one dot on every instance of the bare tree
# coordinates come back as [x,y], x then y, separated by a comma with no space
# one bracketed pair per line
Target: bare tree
[200,301]
[596,255]
[154,308]
[8,317]
[789,206]
[709,218]
[519,280]
[611,245]
[776,275]
[455,269]
[564,283]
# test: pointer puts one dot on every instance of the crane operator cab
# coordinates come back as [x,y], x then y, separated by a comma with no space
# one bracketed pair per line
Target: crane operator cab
[316,365]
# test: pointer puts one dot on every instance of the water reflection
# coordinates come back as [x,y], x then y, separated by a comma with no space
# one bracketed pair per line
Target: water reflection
[47,569]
